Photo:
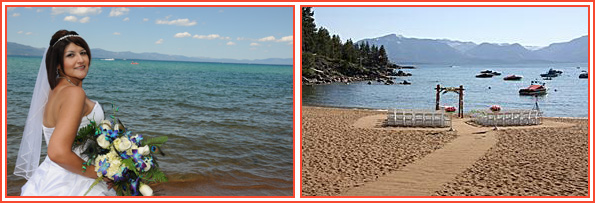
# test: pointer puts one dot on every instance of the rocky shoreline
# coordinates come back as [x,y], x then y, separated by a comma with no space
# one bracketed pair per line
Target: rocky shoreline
[327,71]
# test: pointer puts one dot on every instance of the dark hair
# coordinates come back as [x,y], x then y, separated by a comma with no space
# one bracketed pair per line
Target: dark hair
[55,54]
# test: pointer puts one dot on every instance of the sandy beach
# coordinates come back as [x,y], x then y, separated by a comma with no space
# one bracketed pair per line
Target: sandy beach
[347,152]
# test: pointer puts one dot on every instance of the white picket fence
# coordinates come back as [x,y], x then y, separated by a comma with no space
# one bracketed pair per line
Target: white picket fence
[417,118]
[508,118]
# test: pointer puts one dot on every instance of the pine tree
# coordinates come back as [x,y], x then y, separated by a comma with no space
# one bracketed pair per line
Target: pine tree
[308,29]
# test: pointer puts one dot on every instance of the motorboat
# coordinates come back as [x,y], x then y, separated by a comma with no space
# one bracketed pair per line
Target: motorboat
[496,73]
[484,75]
[584,75]
[513,77]
[536,88]
[552,73]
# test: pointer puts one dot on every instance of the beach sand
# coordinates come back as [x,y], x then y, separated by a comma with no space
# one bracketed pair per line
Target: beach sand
[346,152]
[337,156]
[530,162]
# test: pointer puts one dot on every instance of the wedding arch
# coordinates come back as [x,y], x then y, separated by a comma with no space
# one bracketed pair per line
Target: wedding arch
[444,90]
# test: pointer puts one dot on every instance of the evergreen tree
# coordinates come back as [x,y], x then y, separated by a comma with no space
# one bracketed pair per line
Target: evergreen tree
[383,57]
[308,29]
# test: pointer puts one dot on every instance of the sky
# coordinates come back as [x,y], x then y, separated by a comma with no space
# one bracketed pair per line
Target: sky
[215,32]
[528,26]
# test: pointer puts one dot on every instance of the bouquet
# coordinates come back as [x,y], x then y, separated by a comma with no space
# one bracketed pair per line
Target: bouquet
[117,155]
[495,108]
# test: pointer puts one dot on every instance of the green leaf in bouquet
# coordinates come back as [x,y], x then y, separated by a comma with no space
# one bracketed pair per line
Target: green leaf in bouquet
[97,180]
[156,141]
[130,164]
[154,176]
[84,135]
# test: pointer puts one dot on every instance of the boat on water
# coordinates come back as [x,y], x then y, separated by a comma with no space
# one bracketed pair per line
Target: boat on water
[513,77]
[110,59]
[134,63]
[484,75]
[552,73]
[584,75]
[536,88]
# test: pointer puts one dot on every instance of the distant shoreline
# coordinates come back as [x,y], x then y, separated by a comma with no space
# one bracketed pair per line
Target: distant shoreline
[119,59]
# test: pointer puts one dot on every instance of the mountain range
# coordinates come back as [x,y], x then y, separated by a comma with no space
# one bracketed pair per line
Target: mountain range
[16,49]
[403,50]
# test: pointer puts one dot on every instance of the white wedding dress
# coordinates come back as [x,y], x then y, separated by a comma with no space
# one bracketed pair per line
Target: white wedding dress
[50,179]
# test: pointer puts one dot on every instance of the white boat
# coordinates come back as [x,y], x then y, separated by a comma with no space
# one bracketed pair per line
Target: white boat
[110,59]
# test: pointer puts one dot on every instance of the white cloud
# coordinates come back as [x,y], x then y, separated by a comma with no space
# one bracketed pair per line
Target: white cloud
[119,11]
[70,19]
[20,32]
[286,39]
[16,14]
[145,19]
[39,10]
[209,37]
[240,38]
[85,19]
[126,19]
[10,8]
[160,41]
[80,11]
[182,34]
[117,33]
[230,43]
[28,33]
[178,22]
[254,44]
[265,39]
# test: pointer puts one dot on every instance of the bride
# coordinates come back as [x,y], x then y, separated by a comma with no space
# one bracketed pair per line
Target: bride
[59,107]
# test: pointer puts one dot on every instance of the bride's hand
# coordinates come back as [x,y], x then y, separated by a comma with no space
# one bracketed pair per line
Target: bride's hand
[110,183]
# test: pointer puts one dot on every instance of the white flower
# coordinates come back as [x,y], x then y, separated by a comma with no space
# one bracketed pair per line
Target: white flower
[122,144]
[145,190]
[105,124]
[129,151]
[103,143]
[148,164]
[144,150]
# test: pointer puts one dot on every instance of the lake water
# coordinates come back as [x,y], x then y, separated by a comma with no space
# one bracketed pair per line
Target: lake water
[230,126]
[568,96]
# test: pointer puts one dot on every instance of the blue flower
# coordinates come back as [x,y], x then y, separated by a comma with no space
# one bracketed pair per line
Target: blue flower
[134,184]
[137,139]
[122,176]
[103,166]
[138,159]
[112,135]
[123,155]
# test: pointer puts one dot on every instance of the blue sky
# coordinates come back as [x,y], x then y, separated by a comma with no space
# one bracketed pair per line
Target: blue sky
[528,26]
[216,32]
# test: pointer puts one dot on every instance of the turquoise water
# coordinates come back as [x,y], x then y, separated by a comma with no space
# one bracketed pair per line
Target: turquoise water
[568,96]
[230,126]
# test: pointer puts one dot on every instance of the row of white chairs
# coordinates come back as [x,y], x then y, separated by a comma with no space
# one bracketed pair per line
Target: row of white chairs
[417,118]
[508,118]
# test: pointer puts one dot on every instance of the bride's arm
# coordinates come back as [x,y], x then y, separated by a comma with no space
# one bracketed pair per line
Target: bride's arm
[68,120]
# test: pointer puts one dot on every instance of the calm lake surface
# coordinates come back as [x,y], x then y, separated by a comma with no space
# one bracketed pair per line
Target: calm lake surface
[230,126]
[568,96]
